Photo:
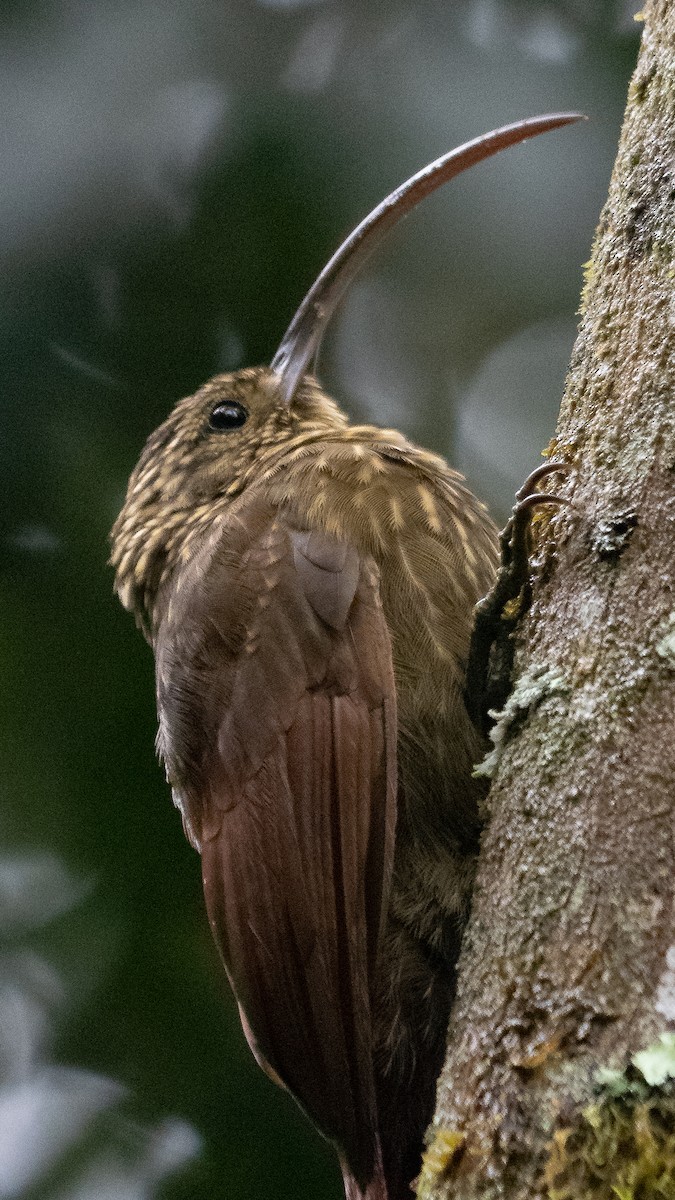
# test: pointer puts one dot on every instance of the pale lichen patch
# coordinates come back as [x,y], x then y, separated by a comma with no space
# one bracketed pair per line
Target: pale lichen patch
[665,647]
[665,994]
[657,1062]
[612,534]
[535,686]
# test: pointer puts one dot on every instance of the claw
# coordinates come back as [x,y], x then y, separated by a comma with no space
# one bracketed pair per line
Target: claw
[553,466]
[536,498]
[491,650]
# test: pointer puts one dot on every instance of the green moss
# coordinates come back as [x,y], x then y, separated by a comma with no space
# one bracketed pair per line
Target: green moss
[639,87]
[622,1145]
[662,251]
[589,273]
[442,1153]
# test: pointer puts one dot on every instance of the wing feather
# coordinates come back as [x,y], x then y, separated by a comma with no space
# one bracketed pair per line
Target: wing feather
[294,752]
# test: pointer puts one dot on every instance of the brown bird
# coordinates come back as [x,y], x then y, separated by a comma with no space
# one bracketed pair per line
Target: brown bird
[308,587]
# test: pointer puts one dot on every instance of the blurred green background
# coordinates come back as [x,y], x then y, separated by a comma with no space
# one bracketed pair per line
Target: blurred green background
[173,176]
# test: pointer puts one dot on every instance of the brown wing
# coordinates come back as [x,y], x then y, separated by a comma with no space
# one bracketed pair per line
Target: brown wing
[295,801]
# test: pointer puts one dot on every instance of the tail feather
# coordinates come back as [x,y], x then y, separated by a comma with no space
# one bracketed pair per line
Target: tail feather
[377,1187]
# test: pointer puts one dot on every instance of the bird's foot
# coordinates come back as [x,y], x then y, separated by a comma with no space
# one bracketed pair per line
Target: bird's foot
[488,676]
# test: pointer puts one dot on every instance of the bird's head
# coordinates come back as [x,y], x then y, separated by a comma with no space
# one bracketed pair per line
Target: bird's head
[213,443]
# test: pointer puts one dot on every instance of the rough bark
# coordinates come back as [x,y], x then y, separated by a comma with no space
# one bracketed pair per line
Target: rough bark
[569,963]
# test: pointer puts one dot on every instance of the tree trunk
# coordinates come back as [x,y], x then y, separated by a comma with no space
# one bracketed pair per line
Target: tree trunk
[568,970]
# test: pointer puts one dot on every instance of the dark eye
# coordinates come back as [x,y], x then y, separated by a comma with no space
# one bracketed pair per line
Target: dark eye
[229,414]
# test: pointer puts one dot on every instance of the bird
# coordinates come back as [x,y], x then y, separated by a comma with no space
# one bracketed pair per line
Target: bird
[308,587]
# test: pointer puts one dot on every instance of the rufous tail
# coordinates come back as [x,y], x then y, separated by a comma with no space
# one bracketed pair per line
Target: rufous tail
[375,1190]
[377,1187]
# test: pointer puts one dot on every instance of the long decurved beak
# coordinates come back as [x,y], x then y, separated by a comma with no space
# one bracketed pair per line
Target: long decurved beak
[300,343]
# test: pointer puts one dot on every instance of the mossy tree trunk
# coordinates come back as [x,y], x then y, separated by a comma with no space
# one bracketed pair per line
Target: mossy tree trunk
[569,964]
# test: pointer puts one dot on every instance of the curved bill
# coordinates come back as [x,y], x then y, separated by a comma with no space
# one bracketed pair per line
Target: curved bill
[301,341]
